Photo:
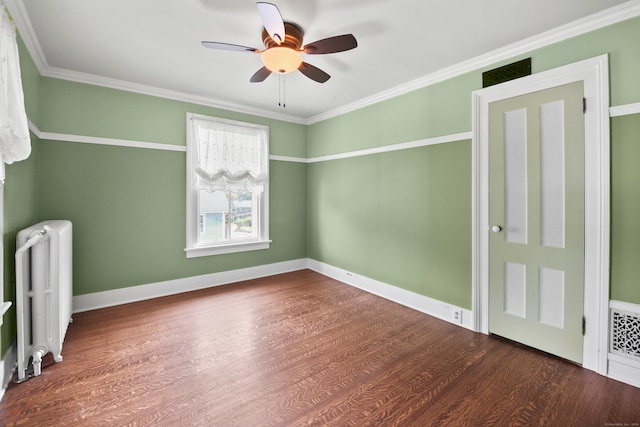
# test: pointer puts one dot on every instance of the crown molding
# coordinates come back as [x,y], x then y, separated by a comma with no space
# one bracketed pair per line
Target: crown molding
[27,33]
[92,79]
[25,28]
[625,11]
[585,25]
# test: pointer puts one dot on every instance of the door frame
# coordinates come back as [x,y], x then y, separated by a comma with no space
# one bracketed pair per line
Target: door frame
[594,73]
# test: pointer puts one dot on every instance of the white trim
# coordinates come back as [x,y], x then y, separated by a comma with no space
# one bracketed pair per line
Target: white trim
[181,148]
[114,297]
[596,21]
[2,250]
[8,366]
[421,303]
[624,370]
[624,110]
[21,19]
[289,159]
[585,25]
[227,248]
[394,147]
[128,143]
[626,306]
[4,307]
[594,73]
[103,141]
[110,141]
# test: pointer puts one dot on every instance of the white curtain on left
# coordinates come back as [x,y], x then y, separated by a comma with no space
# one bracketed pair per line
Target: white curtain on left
[15,143]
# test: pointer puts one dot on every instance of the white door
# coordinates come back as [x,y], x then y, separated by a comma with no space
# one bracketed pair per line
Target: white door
[537,211]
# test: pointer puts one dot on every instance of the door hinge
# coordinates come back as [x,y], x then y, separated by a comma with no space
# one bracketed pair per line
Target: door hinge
[584,105]
[584,326]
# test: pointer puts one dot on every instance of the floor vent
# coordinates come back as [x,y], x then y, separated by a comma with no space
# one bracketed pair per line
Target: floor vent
[625,333]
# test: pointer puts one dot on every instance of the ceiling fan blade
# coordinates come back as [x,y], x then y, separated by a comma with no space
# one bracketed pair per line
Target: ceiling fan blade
[272,21]
[228,46]
[314,73]
[260,75]
[332,45]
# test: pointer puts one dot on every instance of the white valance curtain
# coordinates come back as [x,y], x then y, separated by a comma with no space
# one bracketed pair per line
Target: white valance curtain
[15,143]
[230,155]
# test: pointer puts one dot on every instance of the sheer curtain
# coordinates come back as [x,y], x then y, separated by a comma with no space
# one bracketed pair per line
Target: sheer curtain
[15,143]
[230,156]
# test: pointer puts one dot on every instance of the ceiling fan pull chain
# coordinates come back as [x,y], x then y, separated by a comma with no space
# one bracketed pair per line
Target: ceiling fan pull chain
[282,95]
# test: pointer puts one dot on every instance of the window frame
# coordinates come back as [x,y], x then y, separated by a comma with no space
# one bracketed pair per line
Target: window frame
[261,217]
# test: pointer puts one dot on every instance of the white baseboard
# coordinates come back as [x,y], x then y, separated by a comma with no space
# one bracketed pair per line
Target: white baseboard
[7,367]
[407,298]
[620,368]
[430,306]
[624,370]
[114,297]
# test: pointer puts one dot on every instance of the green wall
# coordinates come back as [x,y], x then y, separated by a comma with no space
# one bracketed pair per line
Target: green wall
[20,211]
[350,201]
[80,109]
[441,109]
[402,217]
[128,205]
[625,208]
[20,197]
[399,217]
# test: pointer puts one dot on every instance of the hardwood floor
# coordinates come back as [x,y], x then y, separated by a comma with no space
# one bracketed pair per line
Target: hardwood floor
[302,349]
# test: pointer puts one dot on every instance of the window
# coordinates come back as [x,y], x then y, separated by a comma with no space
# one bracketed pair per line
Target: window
[227,186]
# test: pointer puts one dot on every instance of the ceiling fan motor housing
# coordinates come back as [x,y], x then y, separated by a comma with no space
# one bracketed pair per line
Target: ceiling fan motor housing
[292,39]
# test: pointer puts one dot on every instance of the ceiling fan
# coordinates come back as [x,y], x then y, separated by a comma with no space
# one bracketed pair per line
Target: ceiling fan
[283,47]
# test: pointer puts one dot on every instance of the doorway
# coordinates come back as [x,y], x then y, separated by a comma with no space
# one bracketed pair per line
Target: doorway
[593,75]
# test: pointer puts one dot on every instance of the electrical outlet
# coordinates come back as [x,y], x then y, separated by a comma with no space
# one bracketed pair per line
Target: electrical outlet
[456,315]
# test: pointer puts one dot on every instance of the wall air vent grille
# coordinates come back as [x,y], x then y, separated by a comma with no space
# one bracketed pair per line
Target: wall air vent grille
[506,73]
[625,333]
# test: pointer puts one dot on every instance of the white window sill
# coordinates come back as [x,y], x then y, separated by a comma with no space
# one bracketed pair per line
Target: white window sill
[230,248]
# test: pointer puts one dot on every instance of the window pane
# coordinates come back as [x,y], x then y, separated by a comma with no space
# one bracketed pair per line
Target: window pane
[226,216]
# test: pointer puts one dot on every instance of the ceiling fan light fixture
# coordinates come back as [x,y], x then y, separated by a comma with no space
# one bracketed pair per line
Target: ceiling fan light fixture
[281,60]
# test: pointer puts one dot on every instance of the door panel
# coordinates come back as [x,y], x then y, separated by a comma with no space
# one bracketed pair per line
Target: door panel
[536,197]
[515,169]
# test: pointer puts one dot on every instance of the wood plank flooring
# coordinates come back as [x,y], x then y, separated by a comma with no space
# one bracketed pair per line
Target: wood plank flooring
[300,349]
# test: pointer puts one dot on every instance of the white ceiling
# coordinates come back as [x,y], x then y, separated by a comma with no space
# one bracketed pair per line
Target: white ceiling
[153,46]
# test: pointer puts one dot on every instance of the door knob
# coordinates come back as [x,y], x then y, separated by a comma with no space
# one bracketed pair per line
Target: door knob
[496,229]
